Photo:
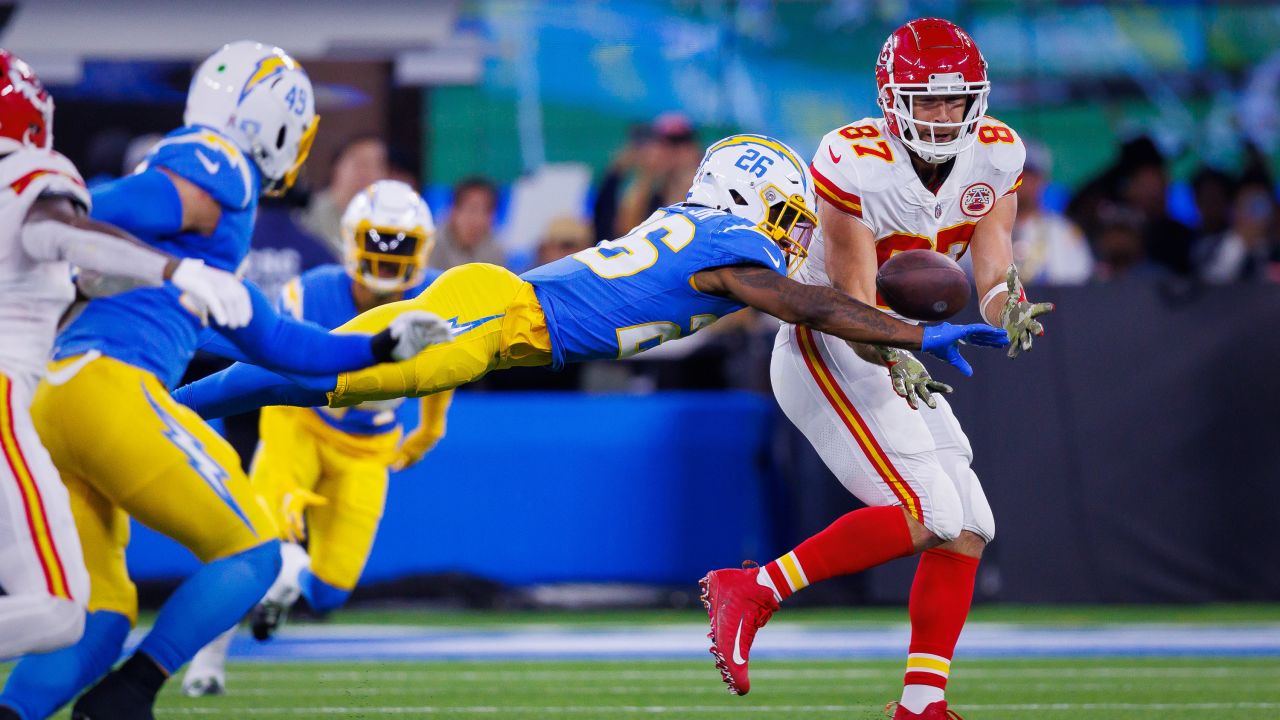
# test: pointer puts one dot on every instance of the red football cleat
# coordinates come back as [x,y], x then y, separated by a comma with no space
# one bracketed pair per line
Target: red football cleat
[737,607]
[932,711]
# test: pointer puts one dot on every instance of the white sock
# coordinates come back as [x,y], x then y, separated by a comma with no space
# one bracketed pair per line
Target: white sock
[918,697]
[762,578]
[285,590]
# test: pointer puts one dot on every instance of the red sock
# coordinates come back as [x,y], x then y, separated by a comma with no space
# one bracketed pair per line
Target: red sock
[940,599]
[856,541]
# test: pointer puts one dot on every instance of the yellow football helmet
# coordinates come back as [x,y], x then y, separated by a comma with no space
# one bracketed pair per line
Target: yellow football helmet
[388,233]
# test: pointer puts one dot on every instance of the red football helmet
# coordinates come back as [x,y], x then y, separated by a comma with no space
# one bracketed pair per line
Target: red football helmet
[931,56]
[26,108]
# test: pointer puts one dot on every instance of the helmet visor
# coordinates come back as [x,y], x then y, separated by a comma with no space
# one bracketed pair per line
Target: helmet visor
[790,223]
[389,258]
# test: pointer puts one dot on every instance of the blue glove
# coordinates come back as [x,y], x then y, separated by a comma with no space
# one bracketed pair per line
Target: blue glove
[942,341]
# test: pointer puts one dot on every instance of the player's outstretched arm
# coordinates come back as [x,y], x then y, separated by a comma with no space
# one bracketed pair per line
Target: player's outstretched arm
[831,311]
[242,388]
[277,341]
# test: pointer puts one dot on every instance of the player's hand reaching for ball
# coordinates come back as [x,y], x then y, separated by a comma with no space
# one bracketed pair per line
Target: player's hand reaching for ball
[1018,317]
[910,378]
[943,340]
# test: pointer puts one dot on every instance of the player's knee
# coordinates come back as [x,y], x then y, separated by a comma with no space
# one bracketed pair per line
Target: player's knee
[320,595]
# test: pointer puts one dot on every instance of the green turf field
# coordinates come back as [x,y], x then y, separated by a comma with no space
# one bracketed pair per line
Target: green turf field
[1224,689]
[1170,688]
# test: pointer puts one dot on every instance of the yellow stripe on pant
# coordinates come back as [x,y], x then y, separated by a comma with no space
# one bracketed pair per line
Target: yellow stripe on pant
[125,447]
[500,322]
[299,449]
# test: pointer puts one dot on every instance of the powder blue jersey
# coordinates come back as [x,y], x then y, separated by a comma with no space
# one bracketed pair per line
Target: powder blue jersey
[322,295]
[628,295]
[147,327]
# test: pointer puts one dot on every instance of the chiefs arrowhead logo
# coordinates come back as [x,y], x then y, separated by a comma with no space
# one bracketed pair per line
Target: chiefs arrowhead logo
[977,200]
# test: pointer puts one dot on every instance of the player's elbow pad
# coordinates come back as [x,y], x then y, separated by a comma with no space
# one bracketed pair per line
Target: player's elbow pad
[146,203]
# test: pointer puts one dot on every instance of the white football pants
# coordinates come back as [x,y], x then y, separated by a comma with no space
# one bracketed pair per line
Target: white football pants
[42,570]
[880,449]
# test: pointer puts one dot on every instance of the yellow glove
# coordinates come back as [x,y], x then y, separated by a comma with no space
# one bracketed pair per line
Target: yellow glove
[414,447]
[432,411]
[293,505]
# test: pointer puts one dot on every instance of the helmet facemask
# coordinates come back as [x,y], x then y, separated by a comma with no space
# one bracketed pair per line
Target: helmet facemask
[388,259]
[787,221]
[898,102]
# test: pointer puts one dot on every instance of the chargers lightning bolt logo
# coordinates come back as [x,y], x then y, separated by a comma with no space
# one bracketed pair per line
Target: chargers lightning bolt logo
[206,467]
[464,327]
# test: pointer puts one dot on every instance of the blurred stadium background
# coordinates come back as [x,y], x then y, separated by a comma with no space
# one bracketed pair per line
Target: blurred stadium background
[1131,459]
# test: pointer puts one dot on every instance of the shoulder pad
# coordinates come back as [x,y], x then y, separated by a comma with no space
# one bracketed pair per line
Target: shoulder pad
[31,172]
[842,168]
[1004,149]
[209,161]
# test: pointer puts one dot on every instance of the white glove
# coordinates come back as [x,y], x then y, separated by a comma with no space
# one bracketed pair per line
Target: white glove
[414,330]
[213,291]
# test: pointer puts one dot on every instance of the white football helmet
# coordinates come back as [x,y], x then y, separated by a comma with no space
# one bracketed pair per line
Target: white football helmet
[762,180]
[262,100]
[388,234]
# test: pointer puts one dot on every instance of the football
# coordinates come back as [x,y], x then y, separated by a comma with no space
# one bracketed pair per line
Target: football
[923,285]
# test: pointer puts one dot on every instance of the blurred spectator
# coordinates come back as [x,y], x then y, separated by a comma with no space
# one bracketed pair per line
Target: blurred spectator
[1139,180]
[664,167]
[358,163]
[563,237]
[640,140]
[1251,247]
[1214,193]
[1146,189]
[466,236]
[1048,248]
[1120,245]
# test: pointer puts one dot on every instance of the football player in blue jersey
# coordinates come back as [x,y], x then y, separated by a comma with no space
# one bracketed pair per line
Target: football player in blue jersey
[747,219]
[331,465]
[123,446]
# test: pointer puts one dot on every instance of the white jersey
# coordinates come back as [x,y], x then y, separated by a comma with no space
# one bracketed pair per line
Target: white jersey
[863,170]
[33,293]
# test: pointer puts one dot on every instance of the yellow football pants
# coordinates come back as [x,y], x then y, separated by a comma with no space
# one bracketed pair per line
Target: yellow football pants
[124,447]
[502,325]
[298,449]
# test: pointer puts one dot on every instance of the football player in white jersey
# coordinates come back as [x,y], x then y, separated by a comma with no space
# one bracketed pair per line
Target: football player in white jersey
[933,172]
[43,233]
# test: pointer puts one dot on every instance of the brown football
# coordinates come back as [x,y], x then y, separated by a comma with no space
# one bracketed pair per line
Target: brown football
[923,285]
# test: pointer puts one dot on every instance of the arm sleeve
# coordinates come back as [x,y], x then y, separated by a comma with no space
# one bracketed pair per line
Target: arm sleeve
[242,388]
[51,240]
[146,203]
[279,342]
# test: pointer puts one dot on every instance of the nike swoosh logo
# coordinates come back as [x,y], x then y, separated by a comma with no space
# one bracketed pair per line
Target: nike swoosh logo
[737,645]
[63,375]
[776,262]
[457,329]
[834,157]
[210,166]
